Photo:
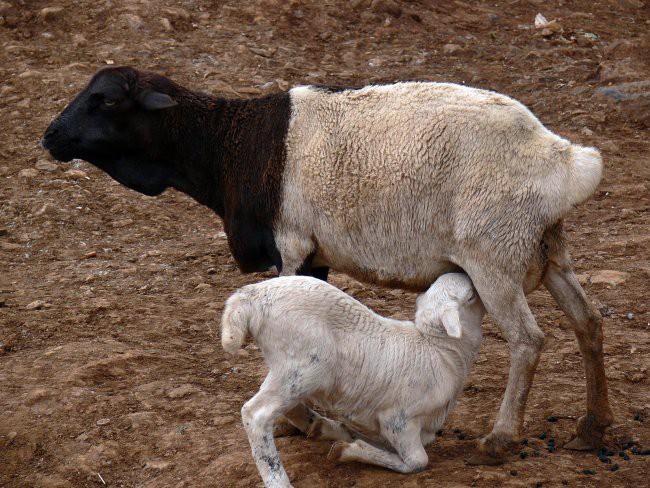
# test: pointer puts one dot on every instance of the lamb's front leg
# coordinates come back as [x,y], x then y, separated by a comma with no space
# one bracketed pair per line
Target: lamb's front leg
[410,457]
[258,415]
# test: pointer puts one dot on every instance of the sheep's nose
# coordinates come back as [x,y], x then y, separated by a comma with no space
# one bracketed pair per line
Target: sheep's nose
[49,135]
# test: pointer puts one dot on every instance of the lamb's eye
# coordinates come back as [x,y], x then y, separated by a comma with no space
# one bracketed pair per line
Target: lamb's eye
[471,298]
[109,103]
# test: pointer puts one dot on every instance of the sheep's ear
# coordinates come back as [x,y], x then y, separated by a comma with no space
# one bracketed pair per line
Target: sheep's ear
[451,322]
[153,100]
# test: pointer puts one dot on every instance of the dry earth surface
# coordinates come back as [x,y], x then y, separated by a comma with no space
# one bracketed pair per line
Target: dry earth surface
[110,369]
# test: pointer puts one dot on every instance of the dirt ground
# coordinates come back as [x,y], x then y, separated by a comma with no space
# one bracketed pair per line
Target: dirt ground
[110,369]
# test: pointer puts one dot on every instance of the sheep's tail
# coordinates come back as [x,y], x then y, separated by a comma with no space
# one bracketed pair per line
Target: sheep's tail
[235,321]
[585,171]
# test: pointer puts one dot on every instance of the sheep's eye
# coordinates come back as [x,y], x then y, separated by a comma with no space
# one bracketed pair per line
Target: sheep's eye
[471,298]
[109,103]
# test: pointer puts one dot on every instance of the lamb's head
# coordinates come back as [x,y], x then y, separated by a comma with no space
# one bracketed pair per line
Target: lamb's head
[451,306]
[114,123]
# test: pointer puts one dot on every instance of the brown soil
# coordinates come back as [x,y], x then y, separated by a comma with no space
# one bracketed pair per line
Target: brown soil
[118,374]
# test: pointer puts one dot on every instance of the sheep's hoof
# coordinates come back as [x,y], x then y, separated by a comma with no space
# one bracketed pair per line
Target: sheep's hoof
[495,445]
[485,460]
[336,452]
[283,428]
[579,444]
[589,433]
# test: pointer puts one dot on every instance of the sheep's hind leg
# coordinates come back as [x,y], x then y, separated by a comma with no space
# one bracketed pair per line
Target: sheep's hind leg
[410,457]
[563,285]
[505,301]
[258,416]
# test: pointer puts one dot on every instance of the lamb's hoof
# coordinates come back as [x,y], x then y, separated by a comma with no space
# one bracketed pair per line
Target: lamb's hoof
[485,460]
[283,428]
[315,430]
[336,452]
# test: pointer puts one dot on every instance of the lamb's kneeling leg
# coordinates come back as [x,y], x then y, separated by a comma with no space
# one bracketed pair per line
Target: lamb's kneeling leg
[315,425]
[258,416]
[410,457]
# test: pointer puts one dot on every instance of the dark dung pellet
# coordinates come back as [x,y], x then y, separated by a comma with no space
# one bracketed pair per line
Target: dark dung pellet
[513,472]
[614,467]
[523,454]
[588,471]
[524,441]
[542,435]
[552,418]
[604,459]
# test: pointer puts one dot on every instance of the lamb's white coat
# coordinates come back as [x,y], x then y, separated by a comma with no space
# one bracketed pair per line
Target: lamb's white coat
[392,382]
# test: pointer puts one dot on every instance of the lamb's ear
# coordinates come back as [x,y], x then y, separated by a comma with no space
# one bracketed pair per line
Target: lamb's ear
[451,322]
[153,100]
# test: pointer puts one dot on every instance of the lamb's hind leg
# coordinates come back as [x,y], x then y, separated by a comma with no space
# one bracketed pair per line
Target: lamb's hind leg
[504,300]
[562,283]
[410,457]
[315,425]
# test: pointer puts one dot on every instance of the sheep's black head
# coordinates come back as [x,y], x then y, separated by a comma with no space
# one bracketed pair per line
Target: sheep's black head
[114,123]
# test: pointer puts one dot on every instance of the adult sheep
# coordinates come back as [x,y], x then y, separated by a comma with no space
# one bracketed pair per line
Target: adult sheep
[392,184]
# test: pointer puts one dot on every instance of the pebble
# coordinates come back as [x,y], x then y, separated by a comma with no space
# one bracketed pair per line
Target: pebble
[45,165]
[166,24]
[389,7]
[181,391]
[37,305]
[450,49]
[132,21]
[50,13]
[28,173]
[158,465]
[630,316]
[104,421]
[609,277]
[75,174]
[4,170]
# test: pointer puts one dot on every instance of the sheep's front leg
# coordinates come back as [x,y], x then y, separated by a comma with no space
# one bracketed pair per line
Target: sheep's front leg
[258,416]
[410,457]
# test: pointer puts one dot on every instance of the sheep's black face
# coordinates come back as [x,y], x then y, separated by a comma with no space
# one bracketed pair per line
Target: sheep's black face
[113,124]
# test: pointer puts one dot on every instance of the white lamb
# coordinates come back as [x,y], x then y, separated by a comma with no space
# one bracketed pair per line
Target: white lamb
[389,382]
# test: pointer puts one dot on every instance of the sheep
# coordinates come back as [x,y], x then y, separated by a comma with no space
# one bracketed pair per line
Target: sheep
[393,185]
[391,382]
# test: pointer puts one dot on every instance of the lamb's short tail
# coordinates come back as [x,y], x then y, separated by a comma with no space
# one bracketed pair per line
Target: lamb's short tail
[586,169]
[235,322]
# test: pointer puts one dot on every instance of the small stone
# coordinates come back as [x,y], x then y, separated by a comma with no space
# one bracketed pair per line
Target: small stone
[451,49]
[158,465]
[91,254]
[609,277]
[36,305]
[45,165]
[586,131]
[181,391]
[630,316]
[28,173]
[203,286]
[4,170]
[79,40]
[10,437]
[122,223]
[389,7]
[75,174]
[132,21]
[104,421]
[50,13]
[166,24]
